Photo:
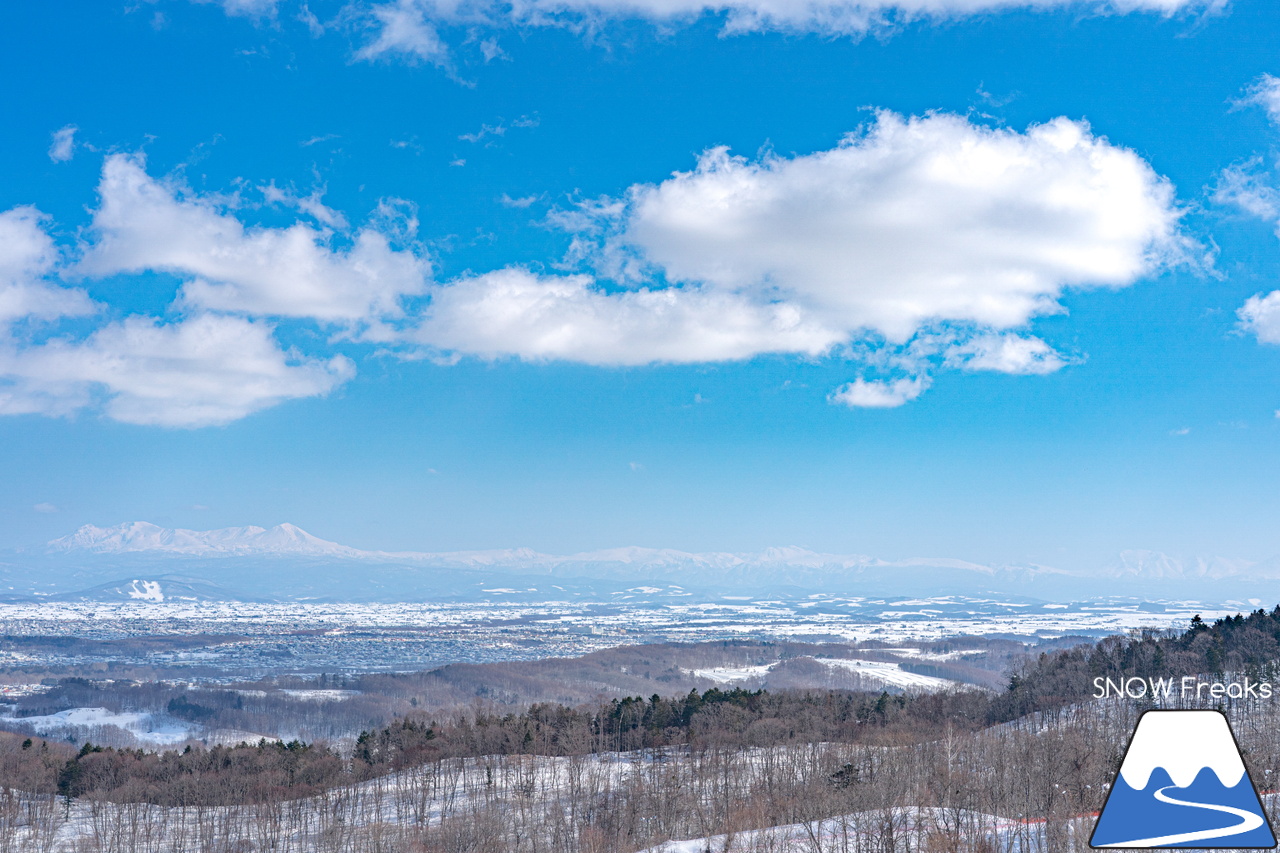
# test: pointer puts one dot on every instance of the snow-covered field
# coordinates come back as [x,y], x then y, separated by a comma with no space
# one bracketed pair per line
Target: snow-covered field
[876,672]
[150,729]
[888,673]
[735,674]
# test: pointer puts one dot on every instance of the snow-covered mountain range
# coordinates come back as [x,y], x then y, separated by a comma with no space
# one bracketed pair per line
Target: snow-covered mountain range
[287,562]
[288,540]
[142,536]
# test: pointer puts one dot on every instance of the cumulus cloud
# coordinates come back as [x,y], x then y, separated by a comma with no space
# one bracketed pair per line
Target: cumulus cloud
[1260,315]
[513,312]
[203,371]
[218,360]
[63,146]
[867,394]
[27,255]
[913,221]
[916,244]
[146,224]
[932,237]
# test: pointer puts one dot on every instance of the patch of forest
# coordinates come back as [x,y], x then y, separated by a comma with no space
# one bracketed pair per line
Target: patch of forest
[336,707]
[697,721]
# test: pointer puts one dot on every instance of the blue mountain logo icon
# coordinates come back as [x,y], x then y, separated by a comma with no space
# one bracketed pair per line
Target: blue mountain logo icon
[1182,783]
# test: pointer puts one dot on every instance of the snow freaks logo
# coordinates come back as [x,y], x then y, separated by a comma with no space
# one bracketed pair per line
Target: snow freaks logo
[1182,783]
[1188,687]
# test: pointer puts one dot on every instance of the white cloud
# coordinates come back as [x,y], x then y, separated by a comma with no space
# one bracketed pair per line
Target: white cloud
[1006,354]
[1252,189]
[247,8]
[408,28]
[919,242]
[916,220]
[513,312]
[1265,93]
[63,145]
[1260,315]
[311,205]
[519,203]
[203,371]
[914,245]
[405,31]
[146,224]
[201,368]
[832,17]
[1247,186]
[864,394]
[307,17]
[27,255]
[45,508]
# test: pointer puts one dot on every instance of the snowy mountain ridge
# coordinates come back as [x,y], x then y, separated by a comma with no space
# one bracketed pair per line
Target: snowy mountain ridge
[784,564]
[141,537]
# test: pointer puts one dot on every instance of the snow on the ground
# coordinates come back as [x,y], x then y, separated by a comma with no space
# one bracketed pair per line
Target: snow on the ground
[889,673]
[321,695]
[147,728]
[883,672]
[729,674]
[920,654]
[919,823]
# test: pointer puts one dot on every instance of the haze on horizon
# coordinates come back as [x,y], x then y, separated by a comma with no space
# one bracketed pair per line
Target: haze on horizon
[987,281]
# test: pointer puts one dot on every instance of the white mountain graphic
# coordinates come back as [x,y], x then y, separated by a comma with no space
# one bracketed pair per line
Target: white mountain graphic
[1182,782]
[1183,743]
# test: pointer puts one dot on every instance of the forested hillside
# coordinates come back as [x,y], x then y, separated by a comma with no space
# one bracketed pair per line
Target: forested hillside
[824,753]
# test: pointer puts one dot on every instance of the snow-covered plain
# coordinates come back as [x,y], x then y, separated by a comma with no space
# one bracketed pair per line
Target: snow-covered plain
[332,637]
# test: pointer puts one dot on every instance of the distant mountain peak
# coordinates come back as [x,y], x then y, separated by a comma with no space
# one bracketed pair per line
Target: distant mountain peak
[142,536]
[1145,564]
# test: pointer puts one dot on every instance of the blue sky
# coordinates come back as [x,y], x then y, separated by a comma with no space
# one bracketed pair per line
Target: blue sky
[971,278]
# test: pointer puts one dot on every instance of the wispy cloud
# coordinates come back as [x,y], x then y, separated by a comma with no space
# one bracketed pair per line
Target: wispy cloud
[1255,190]
[411,28]
[1264,92]
[519,203]
[404,30]
[499,129]
[63,147]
